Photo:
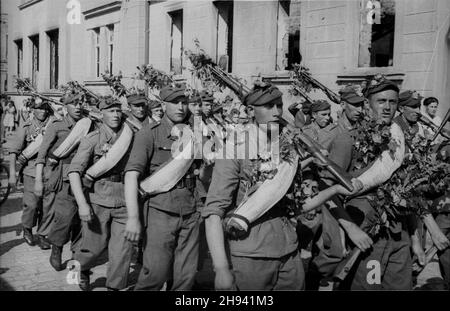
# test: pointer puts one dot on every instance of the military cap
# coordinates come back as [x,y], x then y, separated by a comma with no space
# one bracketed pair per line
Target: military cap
[206,96]
[379,83]
[106,102]
[134,99]
[410,99]
[71,97]
[262,93]
[216,108]
[194,97]
[39,104]
[154,104]
[306,107]
[173,94]
[352,95]
[320,105]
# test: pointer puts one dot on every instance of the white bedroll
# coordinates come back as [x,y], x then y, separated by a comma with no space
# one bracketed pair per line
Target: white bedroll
[113,155]
[171,173]
[266,196]
[80,130]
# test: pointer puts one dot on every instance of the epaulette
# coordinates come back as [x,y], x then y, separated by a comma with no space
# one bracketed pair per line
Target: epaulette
[154,124]
[93,133]
[331,126]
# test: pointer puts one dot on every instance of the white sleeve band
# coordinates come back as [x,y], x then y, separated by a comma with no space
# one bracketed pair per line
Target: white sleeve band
[384,166]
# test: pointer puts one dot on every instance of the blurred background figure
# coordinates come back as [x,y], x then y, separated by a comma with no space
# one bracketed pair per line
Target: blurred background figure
[430,106]
[9,120]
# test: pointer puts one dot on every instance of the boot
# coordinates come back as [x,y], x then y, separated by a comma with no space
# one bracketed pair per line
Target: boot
[85,280]
[28,236]
[43,243]
[55,258]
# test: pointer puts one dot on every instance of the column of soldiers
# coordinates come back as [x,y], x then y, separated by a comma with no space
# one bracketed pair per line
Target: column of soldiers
[110,213]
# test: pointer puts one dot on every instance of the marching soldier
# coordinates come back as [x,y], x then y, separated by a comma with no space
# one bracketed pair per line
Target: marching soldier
[32,205]
[171,219]
[341,151]
[320,126]
[409,107]
[66,224]
[102,209]
[391,246]
[266,257]
[139,108]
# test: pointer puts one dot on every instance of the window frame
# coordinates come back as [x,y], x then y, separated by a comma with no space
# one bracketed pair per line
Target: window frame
[96,32]
[172,25]
[53,74]
[110,44]
[19,57]
[352,45]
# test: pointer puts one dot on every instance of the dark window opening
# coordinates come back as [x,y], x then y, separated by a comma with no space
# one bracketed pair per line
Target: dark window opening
[34,59]
[224,37]
[19,46]
[54,57]
[376,40]
[176,36]
[288,37]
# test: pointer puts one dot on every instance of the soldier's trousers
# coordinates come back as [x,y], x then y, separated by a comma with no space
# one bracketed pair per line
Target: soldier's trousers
[443,221]
[66,223]
[387,266]
[284,273]
[32,206]
[106,231]
[171,250]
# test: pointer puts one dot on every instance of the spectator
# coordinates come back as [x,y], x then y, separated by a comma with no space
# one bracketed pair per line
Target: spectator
[9,120]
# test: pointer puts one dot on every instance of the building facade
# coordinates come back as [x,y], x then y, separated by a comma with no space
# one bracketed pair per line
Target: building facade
[339,41]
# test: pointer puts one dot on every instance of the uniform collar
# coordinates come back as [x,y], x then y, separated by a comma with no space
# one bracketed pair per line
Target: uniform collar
[69,121]
[345,122]
[108,134]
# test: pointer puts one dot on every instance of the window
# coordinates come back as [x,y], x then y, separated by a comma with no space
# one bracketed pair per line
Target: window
[110,47]
[96,33]
[34,59]
[176,35]
[288,34]
[376,38]
[19,47]
[224,38]
[54,57]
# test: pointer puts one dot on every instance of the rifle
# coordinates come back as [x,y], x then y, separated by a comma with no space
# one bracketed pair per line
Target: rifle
[311,146]
[330,94]
[426,121]
[444,122]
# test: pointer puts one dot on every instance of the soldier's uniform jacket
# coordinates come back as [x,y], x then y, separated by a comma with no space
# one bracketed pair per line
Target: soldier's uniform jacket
[146,121]
[55,134]
[151,149]
[108,189]
[271,236]
[417,129]
[321,135]
[25,135]
[340,148]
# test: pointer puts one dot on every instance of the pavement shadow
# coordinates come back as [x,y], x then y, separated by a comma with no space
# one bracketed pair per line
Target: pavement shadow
[11,206]
[7,246]
[17,228]
[5,286]
[100,282]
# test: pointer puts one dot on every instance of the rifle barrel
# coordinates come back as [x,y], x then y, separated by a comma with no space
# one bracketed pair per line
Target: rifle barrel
[444,122]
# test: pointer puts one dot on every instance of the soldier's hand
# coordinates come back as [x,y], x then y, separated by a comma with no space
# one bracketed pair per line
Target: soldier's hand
[38,188]
[224,279]
[361,239]
[12,182]
[439,239]
[418,251]
[85,213]
[133,229]
[357,186]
